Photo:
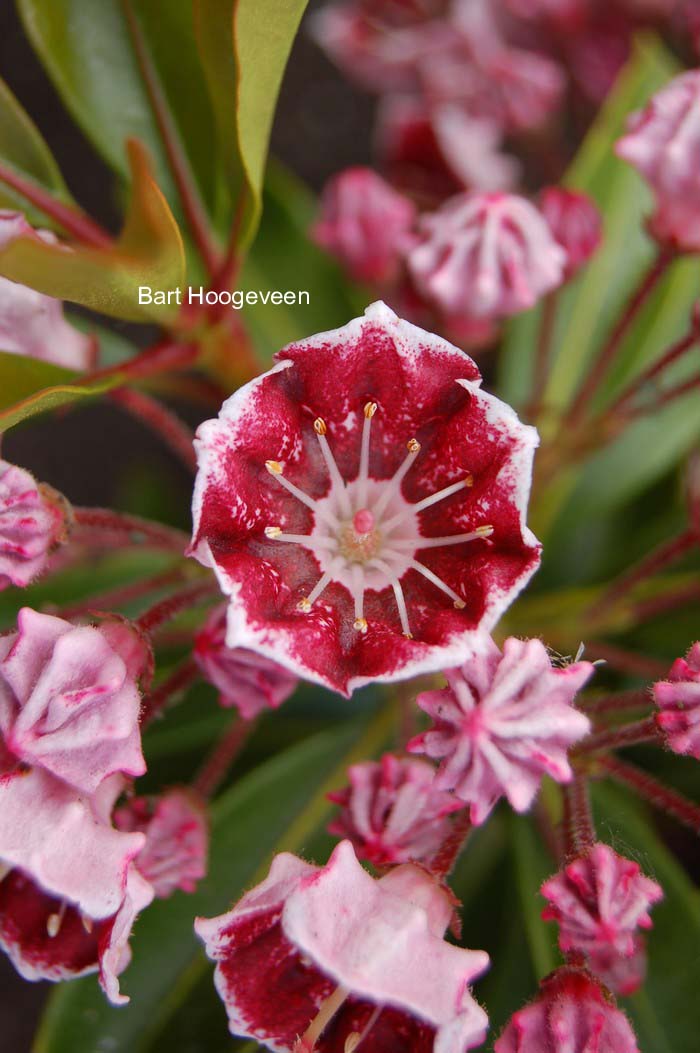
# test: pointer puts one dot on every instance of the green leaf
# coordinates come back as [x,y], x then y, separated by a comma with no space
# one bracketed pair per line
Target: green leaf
[244,47]
[88,51]
[666,1012]
[278,807]
[23,150]
[533,866]
[29,387]
[149,251]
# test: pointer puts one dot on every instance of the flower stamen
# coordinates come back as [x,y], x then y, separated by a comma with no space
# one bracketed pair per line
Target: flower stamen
[336,478]
[54,921]
[329,1007]
[459,603]
[277,471]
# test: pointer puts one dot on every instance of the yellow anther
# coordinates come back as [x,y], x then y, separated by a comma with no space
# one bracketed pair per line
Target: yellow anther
[274,467]
[87,923]
[320,426]
[304,605]
[484,531]
[360,625]
[273,531]
[352,1042]
[53,925]
[409,636]
[413,446]
[469,480]
[459,605]
[370,409]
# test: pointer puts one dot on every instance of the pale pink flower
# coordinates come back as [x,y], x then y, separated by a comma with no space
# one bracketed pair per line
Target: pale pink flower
[503,722]
[392,812]
[363,505]
[663,143]
[69,701]
[322,957]
[177,836]
[246,680]
[487,254]
[571,1014]
[32,523]
[365,224]
[600,900]
[575,223]
[30,322]
[678,699]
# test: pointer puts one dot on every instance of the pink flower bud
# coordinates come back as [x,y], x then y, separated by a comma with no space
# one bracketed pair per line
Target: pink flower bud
[365,224]
[32,522]
[575,223]
[504,720]
[663,143]
[486,254]
[678,699]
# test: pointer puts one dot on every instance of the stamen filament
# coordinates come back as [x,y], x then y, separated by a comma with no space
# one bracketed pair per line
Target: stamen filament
[336,478]
[277,472]
[358,595]
[307,602]
[403,613]
[428,501]
[355,1037]
[275,533]
[329,1007]
[438,542]
[392,487]
[439,583]
[369,411]
[54,921]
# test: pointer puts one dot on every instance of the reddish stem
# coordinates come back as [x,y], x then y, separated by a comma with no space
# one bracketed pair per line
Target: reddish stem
[449,852]
[666,397]
[103,524]
[174,684]
[579,832]
[543,351]
[627,661]
[675,352]
[217,764]
[653,791]
[161,358]
[174,432]
[122,594]
[71,220]
[189,195]
[666,553]
[227,272]
[610,348]
[669,601]
[171,606]
[618,702]
[627,735]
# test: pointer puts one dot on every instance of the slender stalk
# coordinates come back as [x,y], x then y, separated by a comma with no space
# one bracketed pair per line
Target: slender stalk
[578,828]
[192,206]
[627,735]
[656,560]
[71,220]
[101,525]
[653,791]
[184,674]
[122,594]
[174,432]
[450,850]
[666,397]
[669,601]
[162,357]
[173,605]
[675,352]
[217,764]
[629,662]
[543,352]
[618,702]
[609,350]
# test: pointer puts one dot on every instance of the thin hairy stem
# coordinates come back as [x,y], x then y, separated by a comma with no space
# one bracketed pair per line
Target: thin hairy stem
[218,763]
[183,675]
[627,735]
[624,661]
[100,526]
[578,828]
[161,420]
[171,606]
[652,790]
[656,560]
[70,219]
[445,859]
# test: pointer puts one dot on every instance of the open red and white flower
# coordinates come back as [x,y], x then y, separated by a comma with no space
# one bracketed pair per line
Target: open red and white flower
[363,505]
[324,959]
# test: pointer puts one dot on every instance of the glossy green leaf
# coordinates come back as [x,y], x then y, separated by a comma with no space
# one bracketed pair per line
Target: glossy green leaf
[244,48]
[88,51]
[22,149]
[29,387]
[149,251]
[666,1012]
[280,806]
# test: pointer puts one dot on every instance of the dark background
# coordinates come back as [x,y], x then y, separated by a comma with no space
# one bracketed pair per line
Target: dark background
[322,125]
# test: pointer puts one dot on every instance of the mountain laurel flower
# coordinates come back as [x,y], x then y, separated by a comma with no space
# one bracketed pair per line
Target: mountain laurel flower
[246,680]
[31,323]
[69,700]
[663,142]
[571,1014]
[504,720]
[363,505]
[32,523]
[392,812]
[69,891]
[600,900]
[489,254]
[575,223]
[678,701]
[365,224]
[325,958]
